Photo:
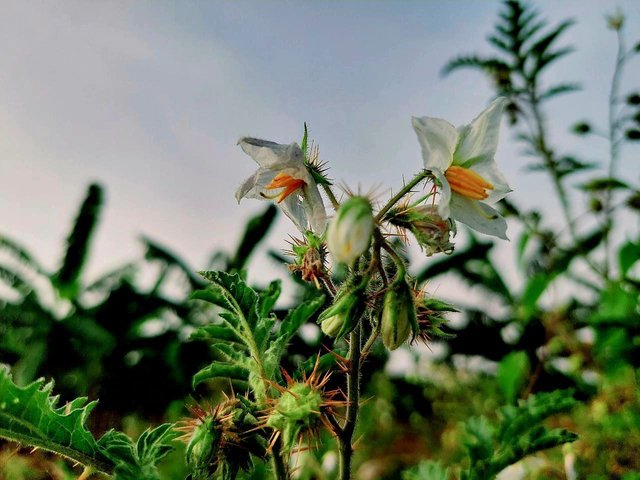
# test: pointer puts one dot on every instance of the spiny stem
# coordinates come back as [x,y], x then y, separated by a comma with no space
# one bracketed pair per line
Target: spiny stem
[332,197]
[279,468]
[403,191]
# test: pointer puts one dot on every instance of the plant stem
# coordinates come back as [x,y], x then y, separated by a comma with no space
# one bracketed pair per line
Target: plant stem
[353,397]
[403,191]
[332,197]
[613,143]
[279,468]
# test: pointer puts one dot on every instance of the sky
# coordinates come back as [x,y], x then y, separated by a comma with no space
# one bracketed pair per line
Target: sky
[150,98]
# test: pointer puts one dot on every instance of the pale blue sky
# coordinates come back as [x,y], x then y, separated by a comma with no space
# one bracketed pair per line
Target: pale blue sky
[149,98]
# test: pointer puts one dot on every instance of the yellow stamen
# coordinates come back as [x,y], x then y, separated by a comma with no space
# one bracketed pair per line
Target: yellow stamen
[287,182]
[467,183]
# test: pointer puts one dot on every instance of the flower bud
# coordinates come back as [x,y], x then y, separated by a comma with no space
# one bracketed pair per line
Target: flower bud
[349,233]
[398,315]
[341,317]
[203,447]
[431,231]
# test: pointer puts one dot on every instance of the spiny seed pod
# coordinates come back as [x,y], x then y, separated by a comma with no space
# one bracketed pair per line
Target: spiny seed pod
[301,409]
[341,317]
[349,233]
[398,314]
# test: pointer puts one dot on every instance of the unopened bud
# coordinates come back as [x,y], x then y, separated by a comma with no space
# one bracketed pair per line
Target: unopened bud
[431,231]
[349,233]
[341,317]
[398,315]
[202,449]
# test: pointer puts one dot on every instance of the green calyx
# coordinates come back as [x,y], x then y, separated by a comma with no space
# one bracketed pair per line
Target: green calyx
[398,314]
[340,318]
[202,450]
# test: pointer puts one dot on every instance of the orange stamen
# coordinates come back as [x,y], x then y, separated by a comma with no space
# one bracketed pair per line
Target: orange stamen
[467,183]
[288,183]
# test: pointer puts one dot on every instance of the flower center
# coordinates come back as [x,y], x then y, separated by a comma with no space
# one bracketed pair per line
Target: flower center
[467,183]
[287,183]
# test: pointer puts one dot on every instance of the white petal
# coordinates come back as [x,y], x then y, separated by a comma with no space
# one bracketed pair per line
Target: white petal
[444,193]
[293,207]
[479,139]
[254,186]
[479,216]
[272,155]
[438,139]
[488,170]
[314,207]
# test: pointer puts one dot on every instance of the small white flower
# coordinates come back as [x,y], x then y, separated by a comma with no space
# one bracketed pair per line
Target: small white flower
[462,161]
[283,176]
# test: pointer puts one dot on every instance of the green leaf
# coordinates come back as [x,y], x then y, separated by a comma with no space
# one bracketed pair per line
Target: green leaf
[156,251]
[268,298]
[30,415]
[79,243]
[601,184]
[533,290]
[559,89]
[20,253]
[138,461]
[628,255]
[221,370]
[512,374]
[288,328]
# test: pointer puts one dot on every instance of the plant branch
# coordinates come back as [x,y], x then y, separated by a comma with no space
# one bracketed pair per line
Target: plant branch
[353,398]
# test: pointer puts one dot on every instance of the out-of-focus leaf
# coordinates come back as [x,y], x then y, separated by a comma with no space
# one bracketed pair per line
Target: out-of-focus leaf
[600,184]
[426,470]
[560,89]
[533,290]
[512,374]
[79,243]
[158,252]
[628,255]
[255,231]
[20,253]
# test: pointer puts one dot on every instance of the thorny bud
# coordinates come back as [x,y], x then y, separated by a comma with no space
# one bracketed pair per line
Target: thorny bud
[349,233]
[398,314]
[341,317]
[431,231]
[310,255]
[430,313]
[301,409]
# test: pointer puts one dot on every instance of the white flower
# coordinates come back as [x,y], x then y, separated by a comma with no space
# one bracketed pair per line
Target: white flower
[462,161]
[283,176]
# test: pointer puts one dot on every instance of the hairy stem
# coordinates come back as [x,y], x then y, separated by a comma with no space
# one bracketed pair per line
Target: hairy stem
[353,397]
[279,467]
[403,191]
[332,197]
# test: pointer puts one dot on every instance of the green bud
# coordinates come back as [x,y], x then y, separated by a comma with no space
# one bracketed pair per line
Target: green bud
[398,315]
[202,450]
[341,317]
[349,233]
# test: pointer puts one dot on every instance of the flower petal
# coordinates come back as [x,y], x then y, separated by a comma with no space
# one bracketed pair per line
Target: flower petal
[314,207]
[488,170]
[254,186]
[479,216]
[438,139]
[272,155]
[479,139]
[445,193]
[294,208]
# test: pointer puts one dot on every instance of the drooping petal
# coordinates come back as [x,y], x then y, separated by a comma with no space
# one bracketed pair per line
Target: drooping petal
[444,192]
[479,216]
[294,208]
[272,155]
[479,139]
[254,186]
[438,139]
[314,207]
[488,170]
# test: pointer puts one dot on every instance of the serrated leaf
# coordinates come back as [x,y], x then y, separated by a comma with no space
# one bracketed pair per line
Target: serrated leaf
[221,370]
[268,298]
[30,415]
